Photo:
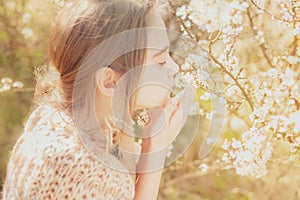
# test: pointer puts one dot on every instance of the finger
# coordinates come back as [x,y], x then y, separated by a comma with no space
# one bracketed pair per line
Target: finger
[187,101]
[159,118]
[171,107]
[176,116]
[176,121]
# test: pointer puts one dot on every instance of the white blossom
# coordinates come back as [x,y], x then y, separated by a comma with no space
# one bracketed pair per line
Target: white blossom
[249,156]
[169,152]
[295,118]
[181,12]
[6,80]
[206,96]
[7,84]
[18,84]
[236,144]
[273,73]
[203,167]
[26,18]
[288,77]
[213,16]
[292,59]
[27,33]
[259,114]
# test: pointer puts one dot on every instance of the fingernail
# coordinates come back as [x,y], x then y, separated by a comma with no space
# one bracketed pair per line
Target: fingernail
[180,95]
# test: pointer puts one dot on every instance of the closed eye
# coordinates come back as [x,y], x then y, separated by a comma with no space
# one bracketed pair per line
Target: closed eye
[162,63]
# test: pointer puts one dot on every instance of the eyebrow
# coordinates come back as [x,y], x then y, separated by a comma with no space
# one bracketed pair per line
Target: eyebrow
[161,51]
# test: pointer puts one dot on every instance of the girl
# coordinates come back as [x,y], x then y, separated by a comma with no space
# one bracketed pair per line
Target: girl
[62,153]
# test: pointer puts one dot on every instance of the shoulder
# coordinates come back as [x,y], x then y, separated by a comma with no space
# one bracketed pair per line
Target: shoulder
[49,159]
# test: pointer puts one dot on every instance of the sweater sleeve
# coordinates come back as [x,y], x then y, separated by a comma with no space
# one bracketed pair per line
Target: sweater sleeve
[52,164]
[63,174]
[84,179]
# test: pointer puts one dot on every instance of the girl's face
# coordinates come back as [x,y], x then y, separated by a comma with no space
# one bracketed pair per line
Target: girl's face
[159,66]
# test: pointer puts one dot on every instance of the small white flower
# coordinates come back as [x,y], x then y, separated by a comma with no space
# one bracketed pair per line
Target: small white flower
[226,158]
[202,112]
[181,12]
[249,156]
[278,136]
[27,33]
[185,66]
[294,118]
[209,115]
[225,144]
[272,73]
[26,18]
[6,80]
[298,51]
[292,59]
[18,84]
[236,144]
[142,118]
[5,87]
[206,96]
[203,167]
[169,152]
[288,77]
[140,141]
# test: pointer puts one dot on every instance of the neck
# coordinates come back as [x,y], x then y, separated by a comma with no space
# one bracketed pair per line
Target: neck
[103,108]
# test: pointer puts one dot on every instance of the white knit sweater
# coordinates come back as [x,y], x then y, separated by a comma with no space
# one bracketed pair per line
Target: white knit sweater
[49,162]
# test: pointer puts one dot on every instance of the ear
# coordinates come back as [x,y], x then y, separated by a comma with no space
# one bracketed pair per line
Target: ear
[106,79]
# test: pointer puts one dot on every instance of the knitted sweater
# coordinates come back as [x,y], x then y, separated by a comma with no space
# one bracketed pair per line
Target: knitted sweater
[49,161]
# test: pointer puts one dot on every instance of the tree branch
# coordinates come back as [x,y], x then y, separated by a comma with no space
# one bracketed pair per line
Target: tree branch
[221,66]
[262,46]
[273,16]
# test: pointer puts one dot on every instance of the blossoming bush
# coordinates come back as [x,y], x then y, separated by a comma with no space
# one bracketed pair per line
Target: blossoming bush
[261,87]
[255,44]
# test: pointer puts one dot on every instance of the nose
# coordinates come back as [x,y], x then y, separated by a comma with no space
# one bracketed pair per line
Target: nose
[173,65]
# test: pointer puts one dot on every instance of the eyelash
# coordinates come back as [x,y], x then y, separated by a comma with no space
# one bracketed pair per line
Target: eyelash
[163,63]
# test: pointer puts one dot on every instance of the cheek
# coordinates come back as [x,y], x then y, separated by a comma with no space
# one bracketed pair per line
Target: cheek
[152,95]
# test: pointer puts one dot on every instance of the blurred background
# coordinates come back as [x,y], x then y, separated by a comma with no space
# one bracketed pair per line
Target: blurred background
[24,32]
[261,45]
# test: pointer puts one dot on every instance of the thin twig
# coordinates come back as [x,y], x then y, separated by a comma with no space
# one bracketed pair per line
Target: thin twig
[192,175]
[19,90]
[262,46]
[273,16]
[295,42]
[235,80]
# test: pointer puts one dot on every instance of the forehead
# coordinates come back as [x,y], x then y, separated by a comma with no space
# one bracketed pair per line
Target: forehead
[157,37]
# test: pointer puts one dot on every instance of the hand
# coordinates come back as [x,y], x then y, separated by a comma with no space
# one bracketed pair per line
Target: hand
[166,123]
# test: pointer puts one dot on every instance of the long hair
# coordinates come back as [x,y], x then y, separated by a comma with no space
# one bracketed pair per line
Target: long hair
[77,30]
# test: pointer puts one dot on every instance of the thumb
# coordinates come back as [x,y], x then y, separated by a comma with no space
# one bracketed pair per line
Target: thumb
[171,107]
